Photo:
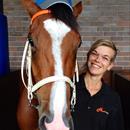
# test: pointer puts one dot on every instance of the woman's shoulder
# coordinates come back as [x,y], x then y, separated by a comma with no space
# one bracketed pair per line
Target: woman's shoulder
[110,92]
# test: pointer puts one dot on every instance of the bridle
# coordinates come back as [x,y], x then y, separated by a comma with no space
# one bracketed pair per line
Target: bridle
[27,58]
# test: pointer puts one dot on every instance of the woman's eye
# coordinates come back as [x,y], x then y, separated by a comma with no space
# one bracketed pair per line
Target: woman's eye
[93,53]
[106,58]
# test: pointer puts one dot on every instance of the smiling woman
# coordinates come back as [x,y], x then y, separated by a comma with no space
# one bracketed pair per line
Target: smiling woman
[98,106]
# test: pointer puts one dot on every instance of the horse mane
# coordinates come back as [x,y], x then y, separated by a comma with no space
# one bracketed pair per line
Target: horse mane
[62,12]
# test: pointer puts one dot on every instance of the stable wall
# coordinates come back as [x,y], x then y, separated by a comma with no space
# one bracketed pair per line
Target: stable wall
[109,19]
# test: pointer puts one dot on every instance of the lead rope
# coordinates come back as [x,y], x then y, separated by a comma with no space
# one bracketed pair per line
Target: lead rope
[73,99]
[27,56]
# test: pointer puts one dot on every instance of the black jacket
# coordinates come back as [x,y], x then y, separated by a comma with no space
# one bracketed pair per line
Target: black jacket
[99,112]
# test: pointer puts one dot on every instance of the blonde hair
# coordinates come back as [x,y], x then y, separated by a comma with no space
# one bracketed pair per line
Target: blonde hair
[100,42]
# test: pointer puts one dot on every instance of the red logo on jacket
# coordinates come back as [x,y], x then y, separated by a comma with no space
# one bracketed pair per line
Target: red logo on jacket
[101,109]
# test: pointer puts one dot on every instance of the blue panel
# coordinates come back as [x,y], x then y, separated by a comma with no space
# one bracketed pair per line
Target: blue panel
[4,54]
[70,2]
[39,1]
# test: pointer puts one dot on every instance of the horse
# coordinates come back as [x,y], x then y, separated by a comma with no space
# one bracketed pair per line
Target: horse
[48,66]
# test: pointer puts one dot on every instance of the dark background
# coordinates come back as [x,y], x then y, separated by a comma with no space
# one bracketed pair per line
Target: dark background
[9,91]
[1,6]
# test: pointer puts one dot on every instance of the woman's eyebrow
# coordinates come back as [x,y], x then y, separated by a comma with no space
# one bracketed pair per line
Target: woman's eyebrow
[94,51]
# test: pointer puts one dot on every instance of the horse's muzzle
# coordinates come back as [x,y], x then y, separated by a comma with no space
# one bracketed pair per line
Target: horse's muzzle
[50,122]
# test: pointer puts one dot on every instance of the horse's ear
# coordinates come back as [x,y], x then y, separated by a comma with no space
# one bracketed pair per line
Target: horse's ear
[77,9]
[30,6]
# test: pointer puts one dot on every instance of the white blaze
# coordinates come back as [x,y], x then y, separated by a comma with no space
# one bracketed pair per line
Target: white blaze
[57,31]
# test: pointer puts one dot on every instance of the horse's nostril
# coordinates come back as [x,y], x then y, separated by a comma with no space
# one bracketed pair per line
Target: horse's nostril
[71,124]
[65,120]
[49,118]
[43,119]
[68,122]
[41,123]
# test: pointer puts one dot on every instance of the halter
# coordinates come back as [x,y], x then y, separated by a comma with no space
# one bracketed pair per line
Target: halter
[27,57]
[46,11]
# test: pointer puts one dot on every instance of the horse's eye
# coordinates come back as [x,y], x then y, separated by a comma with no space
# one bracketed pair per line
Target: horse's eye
[80,43]
[30,41]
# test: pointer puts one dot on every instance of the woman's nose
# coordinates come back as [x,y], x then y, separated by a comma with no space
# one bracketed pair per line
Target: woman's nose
[98,58]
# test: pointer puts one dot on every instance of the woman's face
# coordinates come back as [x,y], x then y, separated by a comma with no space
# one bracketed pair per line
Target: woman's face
[99,60]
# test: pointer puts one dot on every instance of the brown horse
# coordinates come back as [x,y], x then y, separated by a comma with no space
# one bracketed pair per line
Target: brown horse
[50,57]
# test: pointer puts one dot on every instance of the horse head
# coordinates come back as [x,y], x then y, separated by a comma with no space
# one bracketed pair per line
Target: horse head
[50,53]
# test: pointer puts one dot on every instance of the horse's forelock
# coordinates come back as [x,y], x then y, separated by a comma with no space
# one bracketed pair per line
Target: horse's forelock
[64,13]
